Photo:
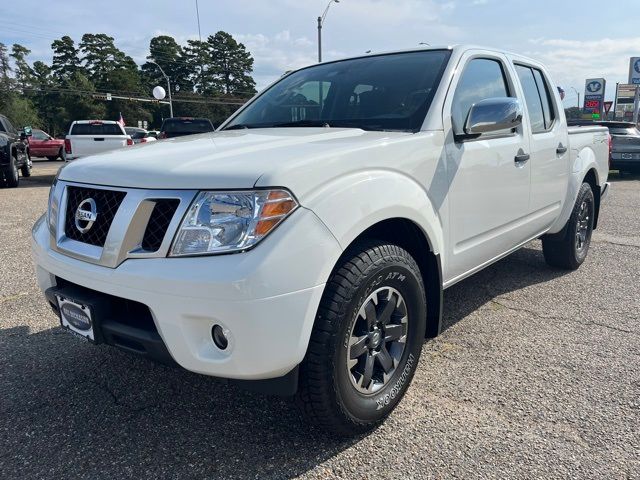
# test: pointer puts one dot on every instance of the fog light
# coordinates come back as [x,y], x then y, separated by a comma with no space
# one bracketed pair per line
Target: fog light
[219,338]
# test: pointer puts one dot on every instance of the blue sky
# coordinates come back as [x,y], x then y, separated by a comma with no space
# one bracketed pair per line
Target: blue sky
[576,39]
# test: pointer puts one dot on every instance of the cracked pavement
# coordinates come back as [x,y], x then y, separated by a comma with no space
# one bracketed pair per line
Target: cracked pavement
[536,376]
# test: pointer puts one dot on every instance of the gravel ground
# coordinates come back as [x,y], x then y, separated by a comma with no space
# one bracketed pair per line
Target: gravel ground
[536,376]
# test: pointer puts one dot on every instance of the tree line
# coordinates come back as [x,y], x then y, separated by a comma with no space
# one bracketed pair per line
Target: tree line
[202,73]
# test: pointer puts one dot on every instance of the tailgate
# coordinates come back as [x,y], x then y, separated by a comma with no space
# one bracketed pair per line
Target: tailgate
[625,143]
[82,145]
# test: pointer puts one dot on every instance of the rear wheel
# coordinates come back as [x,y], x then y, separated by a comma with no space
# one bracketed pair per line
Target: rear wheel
[570,249]
[366,341]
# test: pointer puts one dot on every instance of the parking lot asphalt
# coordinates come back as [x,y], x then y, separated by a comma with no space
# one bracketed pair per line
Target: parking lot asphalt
[536,376]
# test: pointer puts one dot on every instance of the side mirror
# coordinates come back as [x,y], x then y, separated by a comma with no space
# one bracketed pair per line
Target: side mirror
[493,114]
[27,131]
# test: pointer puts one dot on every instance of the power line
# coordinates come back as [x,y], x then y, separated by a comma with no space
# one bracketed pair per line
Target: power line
[124,96]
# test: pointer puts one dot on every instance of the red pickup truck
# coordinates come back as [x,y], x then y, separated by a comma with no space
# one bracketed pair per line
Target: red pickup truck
[41,144]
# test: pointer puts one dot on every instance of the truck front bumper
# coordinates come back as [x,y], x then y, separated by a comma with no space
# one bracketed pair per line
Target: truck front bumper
[265,299]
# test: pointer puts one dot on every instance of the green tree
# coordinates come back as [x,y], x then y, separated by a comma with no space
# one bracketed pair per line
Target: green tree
[23,71]
[102,58]
[231,66]
[167,53]
[198,60]
[66,60]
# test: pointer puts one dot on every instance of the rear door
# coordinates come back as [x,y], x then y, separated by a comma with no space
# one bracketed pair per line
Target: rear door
[96,137]
[549,147]
[489,176]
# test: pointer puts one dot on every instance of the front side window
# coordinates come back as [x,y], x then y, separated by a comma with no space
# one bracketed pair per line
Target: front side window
[39,135]
[379,92]
[482,78]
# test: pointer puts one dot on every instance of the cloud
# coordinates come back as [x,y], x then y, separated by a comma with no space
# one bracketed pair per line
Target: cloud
[570,62]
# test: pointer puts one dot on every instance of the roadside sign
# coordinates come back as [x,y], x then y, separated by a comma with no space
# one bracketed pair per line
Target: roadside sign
[139,123]
[607,106]
[109,96]
[626,101]
[634,70]
[593,98]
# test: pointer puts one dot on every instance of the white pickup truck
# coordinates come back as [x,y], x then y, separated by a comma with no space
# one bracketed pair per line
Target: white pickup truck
[90,137]
[303,248]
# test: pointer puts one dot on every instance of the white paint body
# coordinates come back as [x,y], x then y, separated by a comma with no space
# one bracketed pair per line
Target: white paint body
[473,204]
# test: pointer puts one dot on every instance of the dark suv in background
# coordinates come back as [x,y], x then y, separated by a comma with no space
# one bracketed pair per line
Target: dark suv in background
[14,153]
[625,144]
[180,126]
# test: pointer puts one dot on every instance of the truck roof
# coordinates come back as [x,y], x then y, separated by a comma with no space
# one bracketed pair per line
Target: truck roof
[457,48]
[95,121]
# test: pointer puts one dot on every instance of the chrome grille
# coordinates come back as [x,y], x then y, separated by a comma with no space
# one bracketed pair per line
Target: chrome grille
[107,203]
[161,216]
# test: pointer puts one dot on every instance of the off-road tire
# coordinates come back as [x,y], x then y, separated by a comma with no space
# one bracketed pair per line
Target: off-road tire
[11,175]
[25,170]
[561,250]
[327,394]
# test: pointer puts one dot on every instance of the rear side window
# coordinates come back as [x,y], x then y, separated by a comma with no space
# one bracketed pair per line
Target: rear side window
[96,129]
[482,78]
[537,98]
[187,126]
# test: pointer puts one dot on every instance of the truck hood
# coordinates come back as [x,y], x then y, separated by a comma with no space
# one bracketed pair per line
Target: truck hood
[218,160]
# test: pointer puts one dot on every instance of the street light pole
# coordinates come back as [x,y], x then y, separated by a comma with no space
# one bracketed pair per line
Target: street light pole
[577,93]
[320,23]
[168,86]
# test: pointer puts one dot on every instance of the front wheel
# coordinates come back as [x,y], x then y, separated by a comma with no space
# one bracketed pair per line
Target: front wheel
[12,178]
[366,341]
[25,170]
[570,249]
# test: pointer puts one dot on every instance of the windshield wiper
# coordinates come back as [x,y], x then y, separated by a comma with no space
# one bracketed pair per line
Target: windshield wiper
[239,126]
[302,123]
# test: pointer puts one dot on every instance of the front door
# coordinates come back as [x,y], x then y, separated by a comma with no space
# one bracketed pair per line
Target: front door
[489,176]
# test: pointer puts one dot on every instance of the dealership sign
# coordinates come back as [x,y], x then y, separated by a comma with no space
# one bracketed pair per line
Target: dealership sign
[626,102]
[594,98]
[634,70]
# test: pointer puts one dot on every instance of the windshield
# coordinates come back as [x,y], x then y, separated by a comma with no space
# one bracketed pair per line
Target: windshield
[384,92]
[187,126]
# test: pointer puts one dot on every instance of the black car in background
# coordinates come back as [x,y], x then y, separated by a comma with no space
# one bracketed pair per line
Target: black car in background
[180,126]
[625,144]
[14,153]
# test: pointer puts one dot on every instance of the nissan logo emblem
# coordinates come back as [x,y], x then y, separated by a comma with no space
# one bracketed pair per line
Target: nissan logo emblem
[86,215]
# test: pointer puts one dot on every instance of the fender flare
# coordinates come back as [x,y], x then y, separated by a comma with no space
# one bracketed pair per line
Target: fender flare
[584,162]
[352,203]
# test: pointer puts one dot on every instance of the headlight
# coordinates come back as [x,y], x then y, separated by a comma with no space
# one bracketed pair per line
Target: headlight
[219,222]
[52,207]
